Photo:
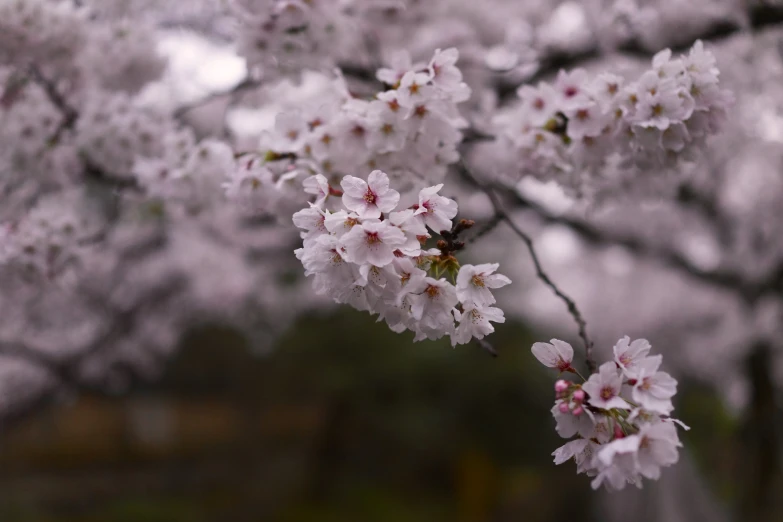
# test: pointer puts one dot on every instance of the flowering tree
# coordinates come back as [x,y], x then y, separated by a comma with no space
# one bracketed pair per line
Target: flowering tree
[382,143]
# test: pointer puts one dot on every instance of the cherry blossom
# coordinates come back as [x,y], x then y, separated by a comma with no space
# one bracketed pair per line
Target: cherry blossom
[436,210]
[369,198]
[617,417]
[604,387]
[474,283]
[555,354]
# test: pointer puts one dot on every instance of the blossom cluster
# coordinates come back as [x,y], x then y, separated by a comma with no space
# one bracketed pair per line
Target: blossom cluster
[620,415]
[284,36]
[364,252]
[114,131]
[72,42]
[186,173]
[41,31]
[410,130]
[579,127]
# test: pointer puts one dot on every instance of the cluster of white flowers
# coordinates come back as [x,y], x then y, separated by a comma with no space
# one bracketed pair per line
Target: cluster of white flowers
[284,36]
[42,31]
[113,131]
[187,173]
[620,414]
[47,241]
[364,252]
[410,131]
[30,150]
[122,56]
[577,128]
[269,185]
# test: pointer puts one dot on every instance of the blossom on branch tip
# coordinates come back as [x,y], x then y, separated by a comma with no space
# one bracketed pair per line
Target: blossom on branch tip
[554,354]
[620,440]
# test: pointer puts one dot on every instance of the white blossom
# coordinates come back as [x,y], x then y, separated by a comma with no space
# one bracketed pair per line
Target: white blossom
[373,242]
[436,211]
[369,198]
[554,354]
[604,387]
[475,282]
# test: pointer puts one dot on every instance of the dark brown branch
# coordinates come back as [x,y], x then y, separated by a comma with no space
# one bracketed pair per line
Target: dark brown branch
[485,229]
[486,345]
[730,280]
[69,114]
[540,273]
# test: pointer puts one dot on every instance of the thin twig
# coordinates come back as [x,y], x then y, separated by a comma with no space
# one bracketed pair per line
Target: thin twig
[750,290]
[69,114]
[540,273]
[483,343]
[485,229]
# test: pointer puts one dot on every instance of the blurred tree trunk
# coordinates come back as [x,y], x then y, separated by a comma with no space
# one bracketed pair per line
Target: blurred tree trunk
[761,480]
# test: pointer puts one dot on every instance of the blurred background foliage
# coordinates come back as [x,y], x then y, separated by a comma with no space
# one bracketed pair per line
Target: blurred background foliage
[342,421]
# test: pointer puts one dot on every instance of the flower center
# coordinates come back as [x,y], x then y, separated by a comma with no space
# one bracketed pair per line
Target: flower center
[336,257]
[607,392]
[477,280]
[373,239]
[432,291]
[370,197]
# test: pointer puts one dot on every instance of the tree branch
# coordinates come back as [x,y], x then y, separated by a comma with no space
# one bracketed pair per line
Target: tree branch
[70,115]
[540,273]
[749,290]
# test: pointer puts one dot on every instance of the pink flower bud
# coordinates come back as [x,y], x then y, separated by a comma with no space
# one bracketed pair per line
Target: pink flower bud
[563,407]
[579,396]
[578,411]
[618,432]
[561,386]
